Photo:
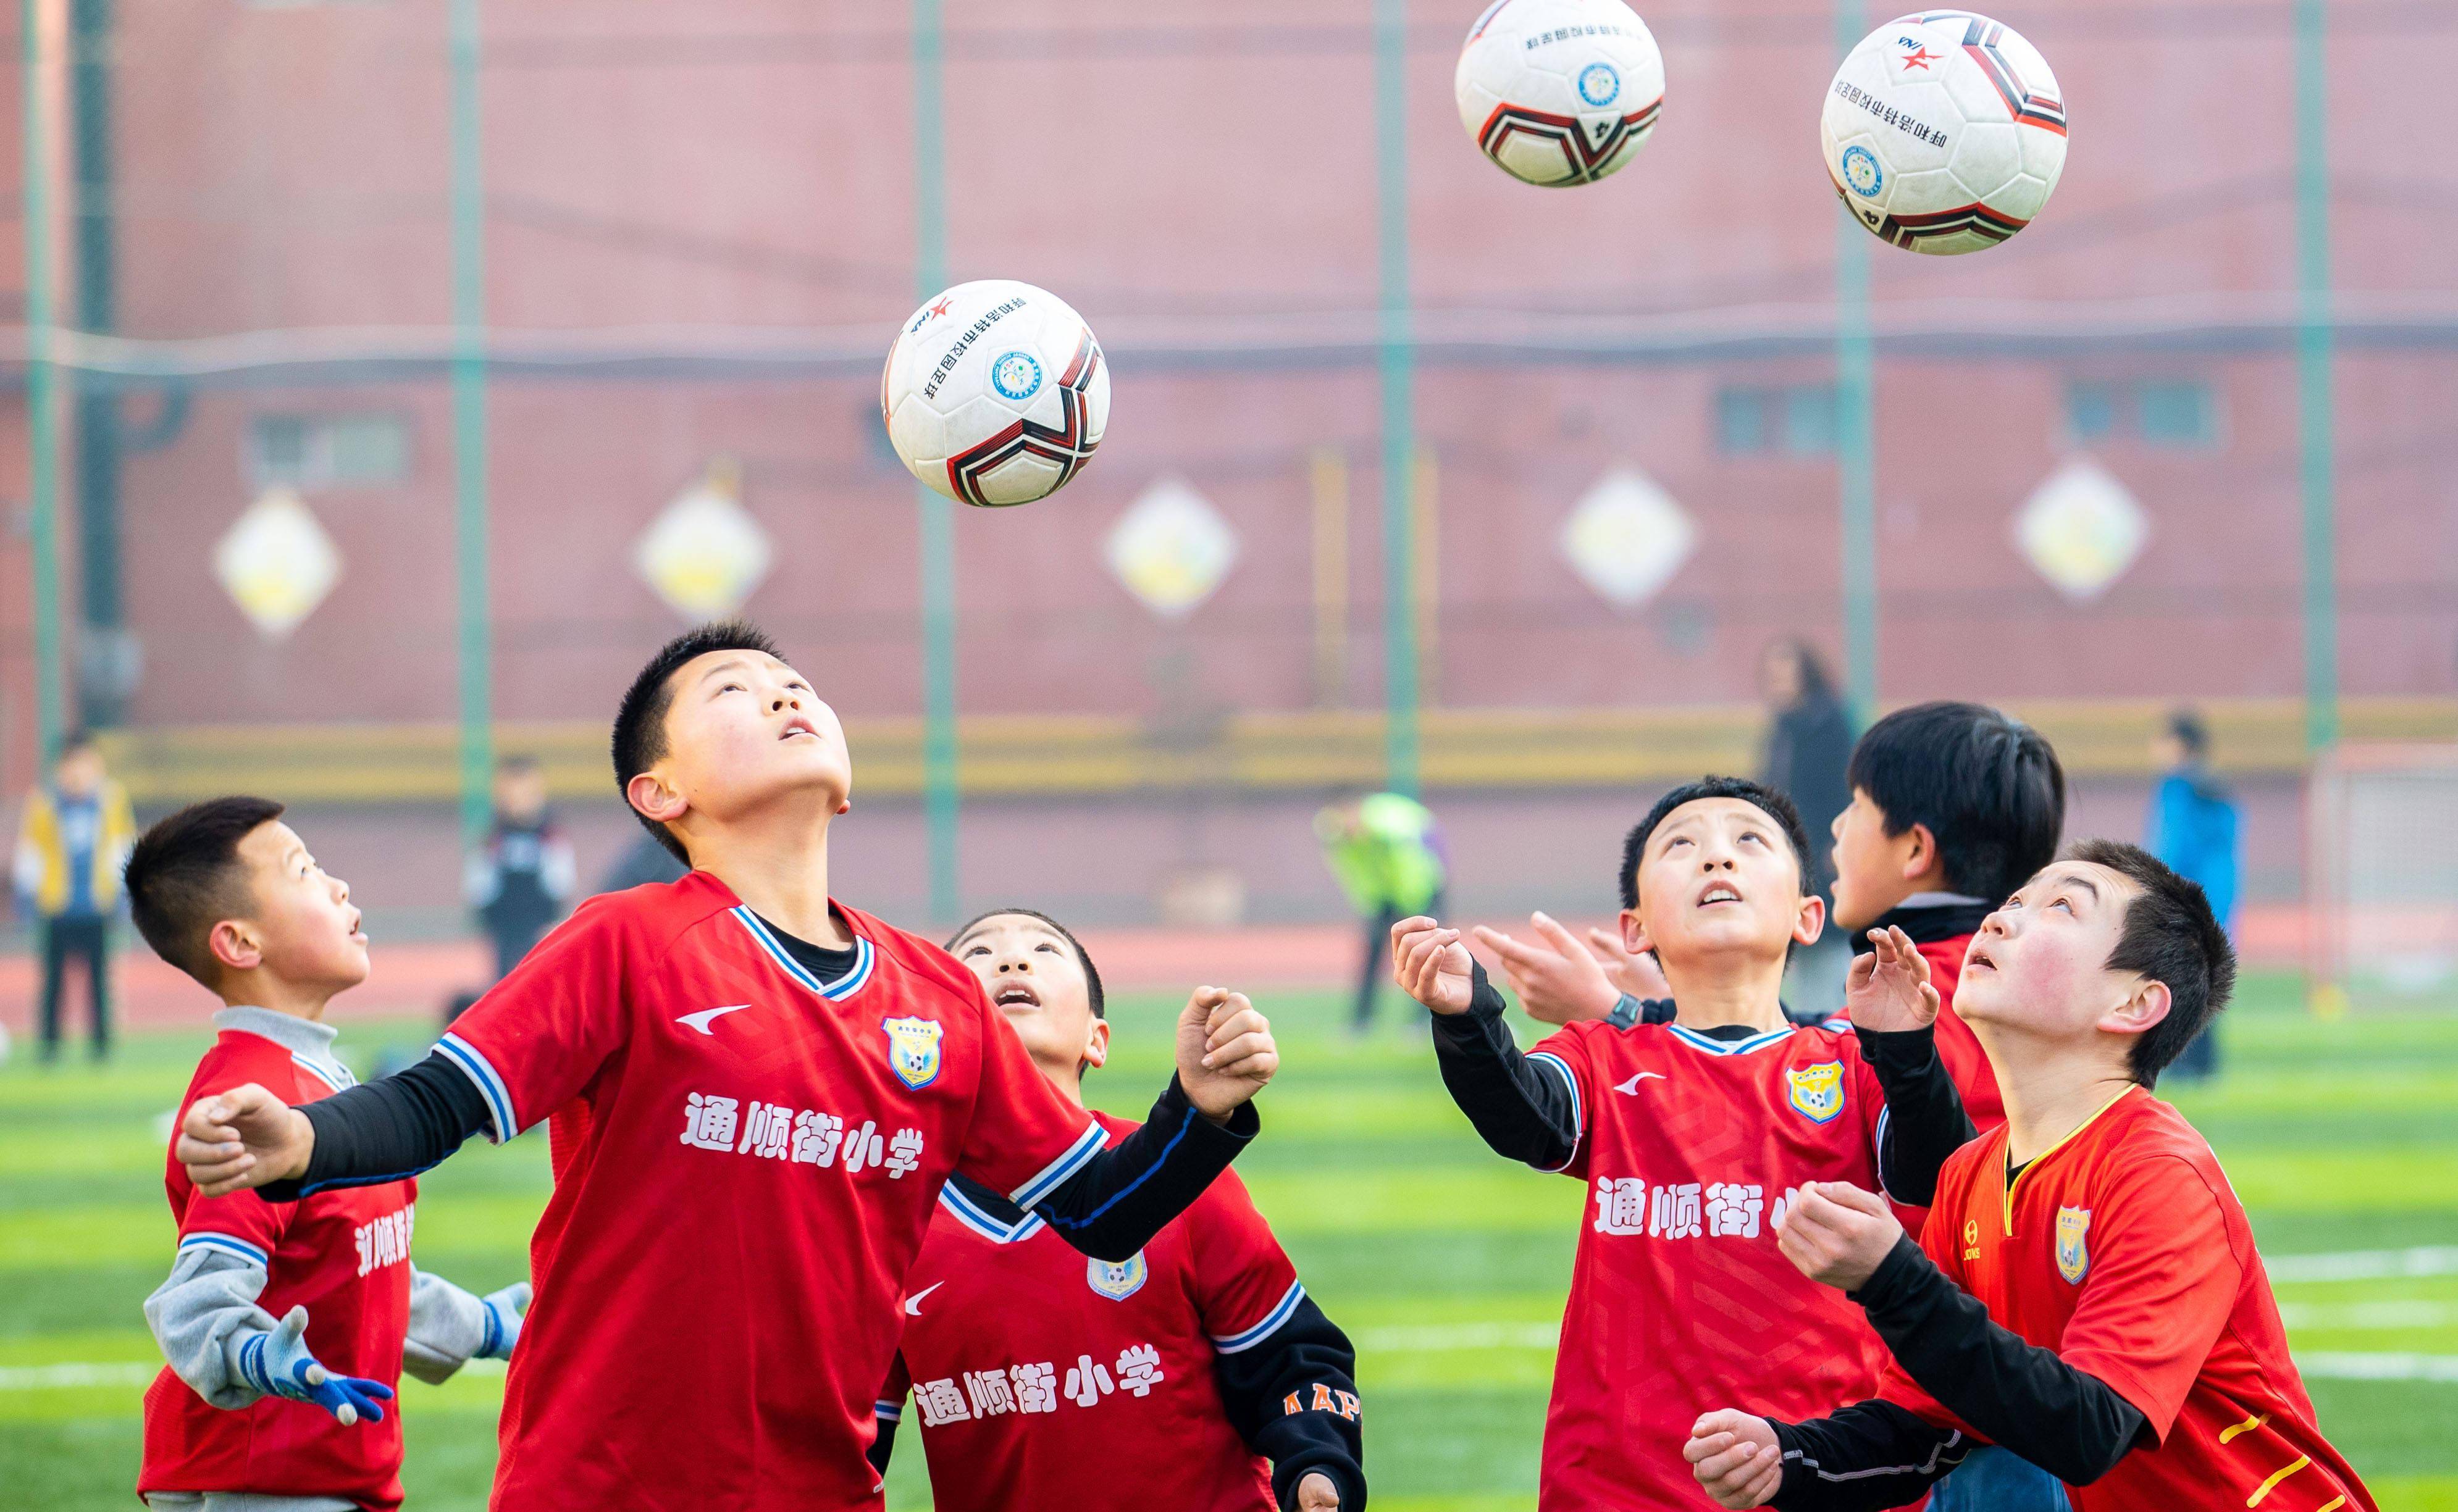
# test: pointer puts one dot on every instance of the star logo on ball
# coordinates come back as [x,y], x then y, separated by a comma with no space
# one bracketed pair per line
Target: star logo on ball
[1919,58]
[940,308]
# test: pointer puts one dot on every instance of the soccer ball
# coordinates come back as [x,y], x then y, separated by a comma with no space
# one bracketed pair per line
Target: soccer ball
[1943,132]
[996,393]
[1559,92]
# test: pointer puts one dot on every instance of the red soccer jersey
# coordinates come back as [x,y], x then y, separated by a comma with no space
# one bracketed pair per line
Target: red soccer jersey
[1044,1379]
[1679,1299]
[745,1160]
[2124,1249]
[345,1256]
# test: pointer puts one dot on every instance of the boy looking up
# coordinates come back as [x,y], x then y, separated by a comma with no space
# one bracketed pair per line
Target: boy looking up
[2086,1291]
[757,1093]
[1197,1376]
[286,1324]
[1695,1136]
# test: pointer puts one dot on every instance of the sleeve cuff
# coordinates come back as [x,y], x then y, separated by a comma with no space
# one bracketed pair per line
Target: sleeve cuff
[1202,1133]
[1345,1474]
[1898,1049]
[1897,1277]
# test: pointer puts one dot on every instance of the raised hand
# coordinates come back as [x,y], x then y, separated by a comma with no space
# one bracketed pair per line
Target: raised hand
[280,1364]
[1560,981]
[1736,1457]
[1317,1494]
[243,1138]
[1431,964]
[1629,971]
[1838,1234]
[1225,1051]
[1889,989]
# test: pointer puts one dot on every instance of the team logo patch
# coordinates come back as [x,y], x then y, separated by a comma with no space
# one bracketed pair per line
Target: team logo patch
[1017,376]
[1116,1279]
[1599,85]
[2073,1256]
[1861,172]
[1817,1091]
[912,1050]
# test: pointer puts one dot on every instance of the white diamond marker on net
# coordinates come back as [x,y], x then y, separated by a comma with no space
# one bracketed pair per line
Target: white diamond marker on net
[1172,549]
[1627,537]
[2081,530]
[704,553]
[277,562]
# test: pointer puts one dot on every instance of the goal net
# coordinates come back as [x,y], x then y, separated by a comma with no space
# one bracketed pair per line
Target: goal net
[2382,876]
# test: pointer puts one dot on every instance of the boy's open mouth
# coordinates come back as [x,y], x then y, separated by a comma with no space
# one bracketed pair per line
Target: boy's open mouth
[1016,994]
[1978,961]
[797,725]
[1720,893]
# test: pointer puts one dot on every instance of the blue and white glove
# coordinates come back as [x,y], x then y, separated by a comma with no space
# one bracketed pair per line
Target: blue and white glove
[505,1309]
[279,1364]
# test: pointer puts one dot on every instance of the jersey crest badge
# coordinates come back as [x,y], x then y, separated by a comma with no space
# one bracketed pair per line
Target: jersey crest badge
[1117,1280]
[2073,1256]
[913,1050]
[1816,1091]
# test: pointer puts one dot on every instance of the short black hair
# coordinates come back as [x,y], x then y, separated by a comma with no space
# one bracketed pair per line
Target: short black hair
[1988,786]
[1092,976]
[2171,936]
[183,876]
[639,740]
[75,740]
[1815,679]
[2186,727]
[1757,795]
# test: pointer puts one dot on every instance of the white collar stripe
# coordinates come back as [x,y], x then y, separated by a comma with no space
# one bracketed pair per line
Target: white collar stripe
[837,991]
[1281,1312]
[1715,1047]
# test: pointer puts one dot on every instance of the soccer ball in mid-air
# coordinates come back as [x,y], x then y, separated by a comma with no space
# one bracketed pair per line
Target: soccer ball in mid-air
[1559,92]
[996,393]
[1943,132]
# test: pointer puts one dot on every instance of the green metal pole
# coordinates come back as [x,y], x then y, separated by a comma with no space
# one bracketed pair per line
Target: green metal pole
[476,635]
[2317,437]
[1400,758]
[50,693]
[1856,448]
[939,791]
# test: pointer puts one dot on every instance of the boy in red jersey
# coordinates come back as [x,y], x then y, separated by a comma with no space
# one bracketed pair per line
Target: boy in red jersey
[263,1407]
[1695,1137]
[2086,1291]
[757,1093]
[1954,805]
[1197,1376]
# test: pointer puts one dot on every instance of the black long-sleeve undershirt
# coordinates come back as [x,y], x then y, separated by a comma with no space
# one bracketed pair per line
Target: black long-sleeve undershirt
[2014,1394]
[1527,1113]
[401,1125]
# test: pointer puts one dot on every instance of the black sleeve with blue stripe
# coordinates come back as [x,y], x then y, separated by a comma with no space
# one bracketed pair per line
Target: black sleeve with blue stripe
[1290,1388]
[394,1127]
[1110,1202]
[1526,1106]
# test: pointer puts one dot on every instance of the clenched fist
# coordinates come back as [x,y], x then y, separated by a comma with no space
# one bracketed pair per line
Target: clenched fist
[243,1138]
[1736,1457]
[1225,1051]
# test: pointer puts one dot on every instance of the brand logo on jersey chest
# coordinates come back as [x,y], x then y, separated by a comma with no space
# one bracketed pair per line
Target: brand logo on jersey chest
[2074,1254]
[1816,1092]
[913,1050]
[1116,1279]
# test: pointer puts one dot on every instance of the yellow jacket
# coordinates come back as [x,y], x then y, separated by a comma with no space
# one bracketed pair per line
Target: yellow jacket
[41,869]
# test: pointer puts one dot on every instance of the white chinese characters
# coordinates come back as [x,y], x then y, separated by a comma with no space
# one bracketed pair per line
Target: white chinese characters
[1036,1386]
[800,1137]
[1629,1206]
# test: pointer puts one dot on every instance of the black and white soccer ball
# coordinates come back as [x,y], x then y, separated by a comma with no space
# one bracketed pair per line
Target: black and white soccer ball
[1559,92]
[996,393]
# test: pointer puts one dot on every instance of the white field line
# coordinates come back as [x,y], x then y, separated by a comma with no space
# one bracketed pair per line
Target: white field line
[2364,1265]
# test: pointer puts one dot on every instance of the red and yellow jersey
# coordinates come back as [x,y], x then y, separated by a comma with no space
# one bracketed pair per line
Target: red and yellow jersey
[2124,1249]
[1042,1378]
[746,1158]
[1692,1147]
[343,1254]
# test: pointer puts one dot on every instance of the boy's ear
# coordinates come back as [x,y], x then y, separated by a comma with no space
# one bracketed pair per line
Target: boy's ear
[649,795]
[1810,922]
[234,946]
[1634,934]
[2145,1007]
[1096,1049]
[1922,861]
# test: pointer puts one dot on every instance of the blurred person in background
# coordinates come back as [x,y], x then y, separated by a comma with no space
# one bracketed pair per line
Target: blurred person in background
[2193,827]
[521,880]
[1388,854]
[1808,749]
[73,839]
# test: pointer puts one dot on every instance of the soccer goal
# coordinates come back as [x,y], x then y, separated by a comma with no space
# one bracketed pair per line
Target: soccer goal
[2382,876]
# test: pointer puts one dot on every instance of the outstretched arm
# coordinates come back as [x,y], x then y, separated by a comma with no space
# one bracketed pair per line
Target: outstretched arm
[1894,1008]
[1527,1107]
[382,1130]
[449,1327]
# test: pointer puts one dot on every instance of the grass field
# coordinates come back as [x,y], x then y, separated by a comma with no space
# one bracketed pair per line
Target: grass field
[1446,1264]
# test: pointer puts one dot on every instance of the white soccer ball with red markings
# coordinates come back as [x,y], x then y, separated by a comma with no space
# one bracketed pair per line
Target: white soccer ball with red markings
[996,393]
[1945,132]
[1559,92]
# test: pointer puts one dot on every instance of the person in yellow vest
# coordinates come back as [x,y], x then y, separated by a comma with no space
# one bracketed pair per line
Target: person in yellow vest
[1388,854]
[73,839]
